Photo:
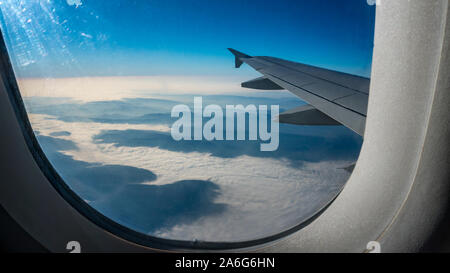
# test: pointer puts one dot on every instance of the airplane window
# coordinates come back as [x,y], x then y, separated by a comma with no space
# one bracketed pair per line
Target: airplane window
[216,121]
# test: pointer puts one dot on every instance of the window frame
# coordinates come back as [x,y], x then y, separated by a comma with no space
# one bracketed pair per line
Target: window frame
[363,211]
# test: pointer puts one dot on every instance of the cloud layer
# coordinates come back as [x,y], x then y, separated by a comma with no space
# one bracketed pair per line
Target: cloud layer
[134,174]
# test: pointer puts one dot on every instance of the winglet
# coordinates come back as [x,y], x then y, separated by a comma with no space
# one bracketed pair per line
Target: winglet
[238,55]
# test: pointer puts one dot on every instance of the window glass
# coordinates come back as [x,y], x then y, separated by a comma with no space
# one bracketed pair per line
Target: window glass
[110,86]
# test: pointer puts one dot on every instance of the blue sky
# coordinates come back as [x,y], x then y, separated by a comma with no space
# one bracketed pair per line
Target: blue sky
[173,37]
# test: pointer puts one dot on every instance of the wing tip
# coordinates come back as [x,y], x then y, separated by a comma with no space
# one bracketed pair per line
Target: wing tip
[238,55]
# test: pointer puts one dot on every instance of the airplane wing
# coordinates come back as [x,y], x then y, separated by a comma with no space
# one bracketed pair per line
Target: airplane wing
[334,98]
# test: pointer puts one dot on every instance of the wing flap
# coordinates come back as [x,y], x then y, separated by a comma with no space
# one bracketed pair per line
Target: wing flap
[357,83]
[262,83]
[357,102]
[328,90]
[306,115]
[351,119]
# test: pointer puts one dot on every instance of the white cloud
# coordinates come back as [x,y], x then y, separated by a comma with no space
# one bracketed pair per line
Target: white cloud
[114,88]
[263,196]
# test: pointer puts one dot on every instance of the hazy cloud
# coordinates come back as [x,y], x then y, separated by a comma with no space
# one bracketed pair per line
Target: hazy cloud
[233,193]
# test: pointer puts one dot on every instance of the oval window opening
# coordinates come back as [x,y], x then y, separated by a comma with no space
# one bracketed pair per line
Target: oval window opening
[140,107]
